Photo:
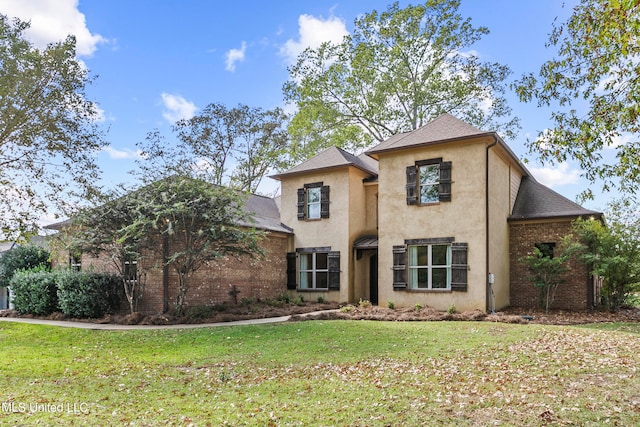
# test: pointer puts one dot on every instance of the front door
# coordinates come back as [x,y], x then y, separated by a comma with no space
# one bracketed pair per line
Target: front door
[373,279]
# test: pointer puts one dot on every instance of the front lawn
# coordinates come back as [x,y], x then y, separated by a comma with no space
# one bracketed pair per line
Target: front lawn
[355,373]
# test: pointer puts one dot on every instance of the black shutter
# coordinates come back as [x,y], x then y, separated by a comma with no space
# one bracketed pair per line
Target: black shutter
[334,270]
[444,187]
[399,267]
[324,201]
[291,271]
[301,204]
[412,197]
[459,267]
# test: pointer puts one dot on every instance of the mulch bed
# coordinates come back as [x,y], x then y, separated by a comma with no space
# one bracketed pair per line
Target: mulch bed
[332,311]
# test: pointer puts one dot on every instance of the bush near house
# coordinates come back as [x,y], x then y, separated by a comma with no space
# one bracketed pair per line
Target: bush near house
[22,258]
[34,291]
[76,294]
[88,294]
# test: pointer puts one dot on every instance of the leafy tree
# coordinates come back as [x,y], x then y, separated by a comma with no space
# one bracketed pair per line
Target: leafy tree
[594,86]
[251,139]
[22,258]
[612,252]
[200,222]
[547,270]
[103,231]
[399,70]
[48,131]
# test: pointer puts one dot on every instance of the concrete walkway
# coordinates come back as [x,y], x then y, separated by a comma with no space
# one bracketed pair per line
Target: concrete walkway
[114,327]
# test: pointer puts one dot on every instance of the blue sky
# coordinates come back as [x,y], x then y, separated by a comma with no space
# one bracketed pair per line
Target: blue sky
[157,61]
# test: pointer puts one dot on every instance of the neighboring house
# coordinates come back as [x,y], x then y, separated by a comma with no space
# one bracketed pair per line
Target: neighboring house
[438,216]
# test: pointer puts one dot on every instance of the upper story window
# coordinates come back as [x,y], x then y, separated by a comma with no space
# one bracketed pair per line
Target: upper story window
[313,201]
[130,271]
[428,181]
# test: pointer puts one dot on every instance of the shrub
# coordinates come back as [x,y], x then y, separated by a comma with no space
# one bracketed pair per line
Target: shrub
[21,258]
[452,309]
[34,291]
[391,305]
[199,312]
[88,294]
[418,307]
[363,303]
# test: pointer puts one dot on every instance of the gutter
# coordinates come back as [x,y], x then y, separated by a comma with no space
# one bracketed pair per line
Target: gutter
[488,290]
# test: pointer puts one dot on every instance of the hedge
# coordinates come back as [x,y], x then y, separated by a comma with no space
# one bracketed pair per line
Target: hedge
[88,294]
[34,291]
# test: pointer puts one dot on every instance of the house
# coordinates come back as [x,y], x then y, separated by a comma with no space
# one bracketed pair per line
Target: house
[438,216]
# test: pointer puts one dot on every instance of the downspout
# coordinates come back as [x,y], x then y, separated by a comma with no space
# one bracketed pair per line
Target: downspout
[488,295]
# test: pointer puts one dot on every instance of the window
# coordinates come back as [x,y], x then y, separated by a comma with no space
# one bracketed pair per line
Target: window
[433,264]
[430,267]
[314,270]
[130,271]
[546,249]
[75,261]
[313,201]
[428,181]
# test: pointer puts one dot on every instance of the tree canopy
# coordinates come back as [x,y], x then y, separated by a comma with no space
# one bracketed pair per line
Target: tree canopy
[397,71]
[223,146]
[48,129]
[593,86]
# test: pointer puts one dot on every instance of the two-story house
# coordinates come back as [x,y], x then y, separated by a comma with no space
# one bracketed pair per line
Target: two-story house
[438,216]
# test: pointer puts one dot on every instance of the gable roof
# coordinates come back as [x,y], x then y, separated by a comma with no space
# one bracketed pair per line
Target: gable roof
[331,158]
[444,128]
[535,201]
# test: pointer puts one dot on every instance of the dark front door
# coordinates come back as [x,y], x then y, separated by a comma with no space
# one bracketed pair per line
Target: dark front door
[373,279]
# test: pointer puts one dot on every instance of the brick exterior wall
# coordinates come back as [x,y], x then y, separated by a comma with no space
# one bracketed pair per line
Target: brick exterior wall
[253,277]
[573,294]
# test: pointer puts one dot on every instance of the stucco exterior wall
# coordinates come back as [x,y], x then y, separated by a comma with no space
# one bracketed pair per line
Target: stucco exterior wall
[463,219]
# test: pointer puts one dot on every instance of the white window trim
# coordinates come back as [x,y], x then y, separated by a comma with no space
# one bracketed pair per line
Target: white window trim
[313,270]
[429,267]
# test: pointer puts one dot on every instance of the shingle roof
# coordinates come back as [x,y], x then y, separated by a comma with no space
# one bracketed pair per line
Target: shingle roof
[332,158]
[265,214]
[535,201]
[446,127]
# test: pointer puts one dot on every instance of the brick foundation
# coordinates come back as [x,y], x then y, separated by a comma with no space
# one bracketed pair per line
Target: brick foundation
[573,294]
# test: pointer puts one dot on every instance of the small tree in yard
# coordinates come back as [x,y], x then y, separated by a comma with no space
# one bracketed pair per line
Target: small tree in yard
[546,273]
[200,222]
[612,252]
[21,258]
[104,231]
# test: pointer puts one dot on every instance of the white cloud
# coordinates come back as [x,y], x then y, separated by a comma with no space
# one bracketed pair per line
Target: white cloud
[312,32]
[556,176]
[235,55]
[121,154]
[620,140]
[52,21]
[177,108]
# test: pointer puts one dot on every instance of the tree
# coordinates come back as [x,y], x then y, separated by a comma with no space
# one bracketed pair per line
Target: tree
[547,270]
[48,131]
[594,86]
[198,222]
[103,231]
[612,252]
[251,139]
[399,70]
[22,258]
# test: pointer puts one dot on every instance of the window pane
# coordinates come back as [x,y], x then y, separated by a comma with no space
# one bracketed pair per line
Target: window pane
[306,280]
[305,261]
[423,278]
[439,278]
[429,193]
[429,174]
[313,211]
[439,254]
[418,256]
[321,261]
[313,195]
[322,280]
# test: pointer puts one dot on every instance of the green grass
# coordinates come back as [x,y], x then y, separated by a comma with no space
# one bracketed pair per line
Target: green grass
[351,373]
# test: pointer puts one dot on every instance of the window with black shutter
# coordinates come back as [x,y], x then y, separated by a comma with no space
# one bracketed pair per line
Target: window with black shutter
[399,267]
[313,201]
[428,181]
[291,271]
[334,271]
